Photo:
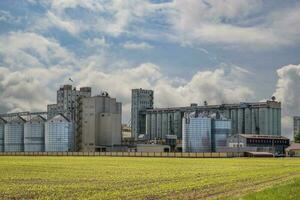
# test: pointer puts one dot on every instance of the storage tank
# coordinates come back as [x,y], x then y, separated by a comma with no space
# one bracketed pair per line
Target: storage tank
[196,136]
[221,128]
[177,124]
[234,119]
[153,126]
[2,124]
[14,135]
[159,125]
[148,125]
[34,134]
[59,134]
[164,125]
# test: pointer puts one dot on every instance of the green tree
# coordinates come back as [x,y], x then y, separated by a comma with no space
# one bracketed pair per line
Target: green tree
[297,137]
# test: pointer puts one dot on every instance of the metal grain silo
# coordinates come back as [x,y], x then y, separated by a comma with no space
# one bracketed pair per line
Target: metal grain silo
[234,119]
[148,125]
[241,121]
[59,134]
[196,136]
[221,129]
[2,124]
[14,135]
[34,134]
[248,121]
[178,124]
[153,126]
[164,125]
[159,125]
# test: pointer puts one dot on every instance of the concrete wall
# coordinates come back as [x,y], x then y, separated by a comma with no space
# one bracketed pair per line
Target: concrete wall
[101,122]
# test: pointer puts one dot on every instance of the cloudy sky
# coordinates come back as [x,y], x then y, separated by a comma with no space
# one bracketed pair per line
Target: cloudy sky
[185,50]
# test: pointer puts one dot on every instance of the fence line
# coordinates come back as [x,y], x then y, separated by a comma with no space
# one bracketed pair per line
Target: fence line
[130,154]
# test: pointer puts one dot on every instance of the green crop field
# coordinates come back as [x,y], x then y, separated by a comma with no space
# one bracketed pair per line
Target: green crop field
[147,178]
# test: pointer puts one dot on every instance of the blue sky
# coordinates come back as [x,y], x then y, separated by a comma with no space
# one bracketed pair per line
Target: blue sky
[187,51]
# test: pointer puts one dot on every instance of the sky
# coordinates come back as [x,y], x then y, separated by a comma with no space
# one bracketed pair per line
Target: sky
[187,51]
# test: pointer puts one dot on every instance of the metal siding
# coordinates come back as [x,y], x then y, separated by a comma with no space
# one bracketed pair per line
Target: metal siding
[159,125]
[1,137]
[34,136]
[14,136]
[248,121]
[153,126]
[59,136]
[164,124]
[197,135]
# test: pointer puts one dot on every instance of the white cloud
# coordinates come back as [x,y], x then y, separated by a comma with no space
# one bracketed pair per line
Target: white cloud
[287,91]
[24,50]
[137,46]
[233,23]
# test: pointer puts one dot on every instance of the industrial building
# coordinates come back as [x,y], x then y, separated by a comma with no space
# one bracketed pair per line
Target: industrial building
[204,133]
[258,143]
[59,134]
[296,125]
[262,118]
[34,134]
[14,135]
[140,101]
[99,123]
[67,101]
[293,150]
[2,124]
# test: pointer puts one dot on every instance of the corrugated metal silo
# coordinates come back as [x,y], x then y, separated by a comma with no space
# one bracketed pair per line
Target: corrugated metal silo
[263,120]
[196,134]
[241,121]
[164,124]
[148,125]
[170,123]
[177,124]
[153,126]
[34,134]
[234,119]
[59,134]
[2,124]
[159,125]
[248,121]
[14,135]
[220,132]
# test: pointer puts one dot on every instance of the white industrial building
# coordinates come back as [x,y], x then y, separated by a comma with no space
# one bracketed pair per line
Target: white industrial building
[14,134]
[34,134]
[140,101]
[59,134]
[67,101]
[247,118]
[99,125]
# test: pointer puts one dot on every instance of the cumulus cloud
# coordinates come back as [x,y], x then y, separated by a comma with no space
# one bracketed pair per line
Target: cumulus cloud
[234,23]
[287,91]
[137,46]
[28,85]
[24,50]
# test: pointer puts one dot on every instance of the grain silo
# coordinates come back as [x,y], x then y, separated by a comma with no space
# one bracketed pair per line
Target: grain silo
[221,129]
[14,134]
[196,135]
[34,134]
[59,134]
[2,124]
